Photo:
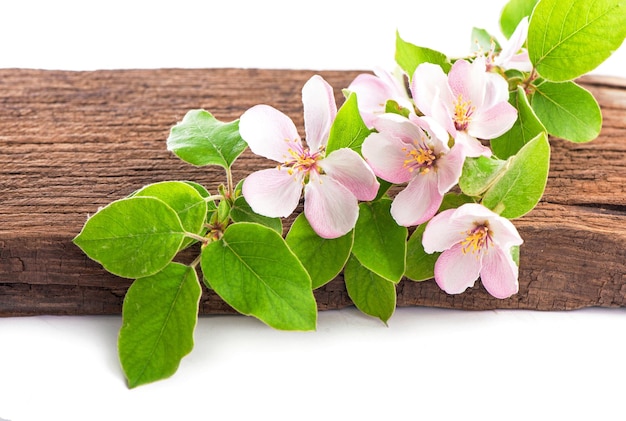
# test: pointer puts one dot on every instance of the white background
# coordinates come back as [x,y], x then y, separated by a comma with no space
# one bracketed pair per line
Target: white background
[427,364]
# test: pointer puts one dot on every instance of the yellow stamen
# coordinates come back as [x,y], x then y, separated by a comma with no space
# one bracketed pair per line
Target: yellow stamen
[477,239]
[423,158]
[463,111]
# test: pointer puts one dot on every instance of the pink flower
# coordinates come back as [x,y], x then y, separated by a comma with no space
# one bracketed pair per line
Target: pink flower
[469,102]
[373,92]
[416,152]
[512,56]
[332,184]
[475,241]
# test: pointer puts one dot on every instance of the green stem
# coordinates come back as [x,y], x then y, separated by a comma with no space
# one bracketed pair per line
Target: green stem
[213,198]
[196,261]
[196,237]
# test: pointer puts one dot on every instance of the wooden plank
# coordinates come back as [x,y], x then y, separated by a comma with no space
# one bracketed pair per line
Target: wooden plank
[73,141]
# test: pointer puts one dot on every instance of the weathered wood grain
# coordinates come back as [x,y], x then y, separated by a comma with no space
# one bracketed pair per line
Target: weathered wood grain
[73,141]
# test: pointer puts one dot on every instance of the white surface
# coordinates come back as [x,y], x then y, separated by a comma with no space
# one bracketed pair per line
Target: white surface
[428,364]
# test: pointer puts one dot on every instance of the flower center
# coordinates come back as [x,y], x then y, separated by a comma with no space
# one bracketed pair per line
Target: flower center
[463,111]
[422,158]
[303,161]
[477,240]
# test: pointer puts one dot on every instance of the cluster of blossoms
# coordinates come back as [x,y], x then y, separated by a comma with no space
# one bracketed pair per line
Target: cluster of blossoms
[443,119]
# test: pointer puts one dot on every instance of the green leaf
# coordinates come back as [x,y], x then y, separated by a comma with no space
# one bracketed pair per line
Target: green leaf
[392,107]
[184,198]
[514,11]
[526,127]
[482,40]
[479,174]
[568,111]
[521,185]
[348,129]
[568,38]
[322,258]
[253,270]
[242,212]
[200,139]
[409,56]
[420,265]
[370,293]
[379,242]
[159,316]
[133,237]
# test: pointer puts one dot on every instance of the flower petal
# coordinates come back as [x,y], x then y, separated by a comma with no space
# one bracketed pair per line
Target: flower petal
[395,125]
[372,95]
[499,273]
[471,147]
[456,271]
[268,132]
[493,122]
[418,202]
[350,170]
[386,156]
[429,81]
[320,111]
[272,192]
[467,80]
[330,208]
[449,169]
[443,231]
[513,45]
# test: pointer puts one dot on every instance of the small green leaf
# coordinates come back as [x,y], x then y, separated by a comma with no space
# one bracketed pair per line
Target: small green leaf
[159,316]
[479,174]
[568,111]
[513,13]
[568,38]
[379,242]
[133,237]
[420,266]
[520,187]
[482,41]
[242,212]
[392,107]
[184,198]
[200,139]
[370,293]
[322,258]
[409,56]
[526,127]
[253,270]
[348,129]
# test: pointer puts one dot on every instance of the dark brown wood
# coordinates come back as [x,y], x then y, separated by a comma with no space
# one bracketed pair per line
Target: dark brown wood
[73,141]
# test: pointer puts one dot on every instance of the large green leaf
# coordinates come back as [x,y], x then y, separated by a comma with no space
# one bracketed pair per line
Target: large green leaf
[567,111]
[379,242]
[526,127]
[242,212]
[348,129]
[252,269]
[184,198]
[520,186]
[200,139]
[513,12]
[323,258]
[568,38]
[479,174]
[159,316]
[133,237]
[370,293]
[409,56]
